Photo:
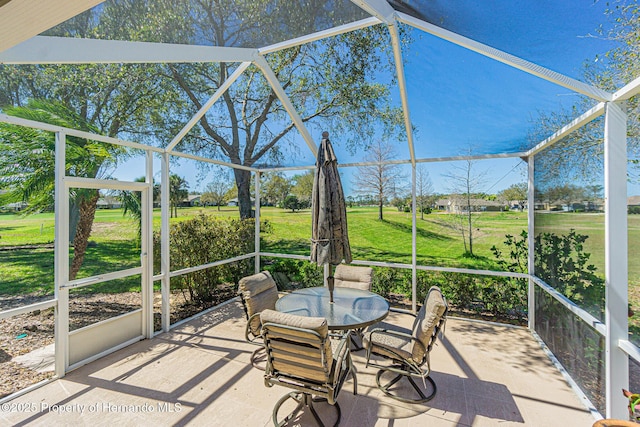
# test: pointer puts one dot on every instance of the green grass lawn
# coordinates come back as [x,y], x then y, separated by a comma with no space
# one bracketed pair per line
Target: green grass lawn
[593,226]
[438,240]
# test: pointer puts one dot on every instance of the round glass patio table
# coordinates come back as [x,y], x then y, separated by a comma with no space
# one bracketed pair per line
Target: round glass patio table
[351,309]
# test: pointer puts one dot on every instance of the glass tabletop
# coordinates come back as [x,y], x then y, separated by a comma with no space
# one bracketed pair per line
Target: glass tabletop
[351,309]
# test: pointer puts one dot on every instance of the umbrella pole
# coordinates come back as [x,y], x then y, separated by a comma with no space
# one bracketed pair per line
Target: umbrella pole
[330,283]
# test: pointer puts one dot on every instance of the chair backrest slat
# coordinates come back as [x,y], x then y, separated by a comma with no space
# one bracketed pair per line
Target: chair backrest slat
[297,346]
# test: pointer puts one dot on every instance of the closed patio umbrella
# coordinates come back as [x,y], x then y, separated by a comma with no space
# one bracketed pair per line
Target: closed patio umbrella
[329,236]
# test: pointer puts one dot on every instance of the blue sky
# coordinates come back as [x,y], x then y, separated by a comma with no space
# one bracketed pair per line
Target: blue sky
[460,100]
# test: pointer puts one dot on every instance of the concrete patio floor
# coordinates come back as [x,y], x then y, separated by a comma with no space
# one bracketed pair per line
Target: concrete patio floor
[200,374]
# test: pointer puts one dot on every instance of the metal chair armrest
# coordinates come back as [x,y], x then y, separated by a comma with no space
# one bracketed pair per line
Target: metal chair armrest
[248,330]
[402,310]
[342,366]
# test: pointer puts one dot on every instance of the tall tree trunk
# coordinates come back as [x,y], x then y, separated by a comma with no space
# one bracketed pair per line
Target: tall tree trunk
[464,238]
[470,235]
[469,220]
[74,217]
[243,182]
[87,206]
[380,210]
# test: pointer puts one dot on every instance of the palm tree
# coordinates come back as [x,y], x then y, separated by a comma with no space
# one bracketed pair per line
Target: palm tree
[27,167]
[132,202]
[178,191]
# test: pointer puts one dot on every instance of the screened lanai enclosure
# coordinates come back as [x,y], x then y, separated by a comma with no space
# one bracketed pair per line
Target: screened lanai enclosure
[123,96]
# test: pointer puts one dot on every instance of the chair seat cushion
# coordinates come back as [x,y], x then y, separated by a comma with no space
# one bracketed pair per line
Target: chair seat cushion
[390,346]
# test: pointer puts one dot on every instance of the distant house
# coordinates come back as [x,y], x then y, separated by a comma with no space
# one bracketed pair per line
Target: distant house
[633,201]
[633,205]
[459,205]
[191,200]
[573,206]
[234,202]
[109,202]
[17,206]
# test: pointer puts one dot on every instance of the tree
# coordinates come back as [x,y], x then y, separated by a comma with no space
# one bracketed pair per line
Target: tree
[291,202]
[466,181]
[568,194]
[303,187]
[216,192]
[593,194]
[333,81]
[106,99]
[581,153]
[424,189]
[274,188]
[132,202]
[27,168]
[380,180]
[178,191]
[517,192]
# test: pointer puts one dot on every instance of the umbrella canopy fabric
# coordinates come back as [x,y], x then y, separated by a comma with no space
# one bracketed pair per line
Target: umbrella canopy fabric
[329,236]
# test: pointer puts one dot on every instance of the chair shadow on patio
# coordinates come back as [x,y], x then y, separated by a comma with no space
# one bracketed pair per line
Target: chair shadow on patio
[200,373]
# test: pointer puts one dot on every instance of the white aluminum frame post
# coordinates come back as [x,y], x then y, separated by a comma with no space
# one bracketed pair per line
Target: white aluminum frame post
[616,254]
[61,257]
[531,209]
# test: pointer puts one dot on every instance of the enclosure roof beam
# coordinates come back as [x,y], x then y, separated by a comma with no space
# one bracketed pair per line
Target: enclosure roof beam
[438,159]
[203,110]
[330,32]
[506,58]
[22,19]
[286,102]
[74,132]
[577,123]
[381,9]
[628,91]
[212,161]
[69,50]
[402,87]
[520,154]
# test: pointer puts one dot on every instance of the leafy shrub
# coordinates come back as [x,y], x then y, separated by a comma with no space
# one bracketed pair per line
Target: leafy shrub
[517,260]
[388,280]
[635,210]
[202,240]
[562,263]
[292,273]
[501,297]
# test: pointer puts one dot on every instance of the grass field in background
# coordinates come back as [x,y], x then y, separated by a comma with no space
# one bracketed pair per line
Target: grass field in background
[439,243]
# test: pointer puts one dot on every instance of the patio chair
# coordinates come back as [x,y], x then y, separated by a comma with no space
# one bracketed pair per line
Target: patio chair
[407,351]
[300,356]
[258,292]
[350,276]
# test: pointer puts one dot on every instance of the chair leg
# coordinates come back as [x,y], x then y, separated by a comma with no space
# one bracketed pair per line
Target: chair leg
[353,376]
[386,387]
[356,340]
[258,357]
[304,400]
